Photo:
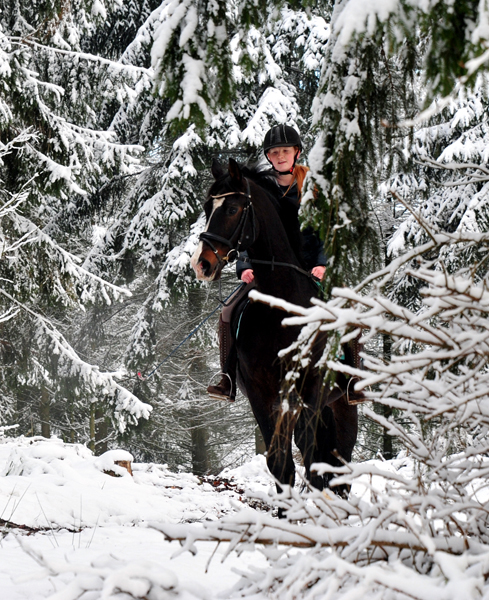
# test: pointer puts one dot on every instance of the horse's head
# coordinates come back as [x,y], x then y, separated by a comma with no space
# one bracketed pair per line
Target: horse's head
[230,222]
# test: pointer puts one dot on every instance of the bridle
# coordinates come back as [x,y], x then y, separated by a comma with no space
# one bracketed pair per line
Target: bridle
[235,242]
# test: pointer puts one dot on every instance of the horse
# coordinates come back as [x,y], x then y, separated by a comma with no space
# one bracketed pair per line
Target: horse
[241,215]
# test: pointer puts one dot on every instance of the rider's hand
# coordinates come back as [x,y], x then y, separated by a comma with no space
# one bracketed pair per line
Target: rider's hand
[318,272]
[247,275]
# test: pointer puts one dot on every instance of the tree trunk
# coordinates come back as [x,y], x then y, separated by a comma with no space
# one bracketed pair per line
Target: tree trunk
[200,459]
[101,432]
[260,447]
[386,411]
[91,443]
[198,429]
[387,448]
[44,413]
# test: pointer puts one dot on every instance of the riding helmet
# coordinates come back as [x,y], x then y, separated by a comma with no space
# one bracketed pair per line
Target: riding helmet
[283,136]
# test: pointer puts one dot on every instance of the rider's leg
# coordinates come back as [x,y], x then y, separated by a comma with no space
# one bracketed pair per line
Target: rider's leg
[352,357]
[226,388]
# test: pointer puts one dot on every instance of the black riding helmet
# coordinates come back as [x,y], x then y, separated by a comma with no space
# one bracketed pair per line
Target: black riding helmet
[282,136]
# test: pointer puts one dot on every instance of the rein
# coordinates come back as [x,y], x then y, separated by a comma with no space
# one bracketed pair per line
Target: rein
[275,263]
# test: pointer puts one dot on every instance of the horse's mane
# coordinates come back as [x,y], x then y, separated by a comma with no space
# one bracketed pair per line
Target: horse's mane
[264,177]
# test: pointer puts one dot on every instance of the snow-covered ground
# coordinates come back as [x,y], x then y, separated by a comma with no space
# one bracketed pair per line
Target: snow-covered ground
[69,530]
[67,526]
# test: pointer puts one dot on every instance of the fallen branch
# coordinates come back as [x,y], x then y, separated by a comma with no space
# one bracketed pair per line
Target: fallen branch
[30,530]
[307,536]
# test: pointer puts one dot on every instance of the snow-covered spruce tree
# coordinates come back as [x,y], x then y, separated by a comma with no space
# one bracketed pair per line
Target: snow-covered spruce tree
[366,89]
[53,154]
[448,187]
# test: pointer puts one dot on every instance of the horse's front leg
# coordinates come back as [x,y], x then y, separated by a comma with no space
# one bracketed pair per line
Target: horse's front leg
[279,455]
[276,428]
[315,436]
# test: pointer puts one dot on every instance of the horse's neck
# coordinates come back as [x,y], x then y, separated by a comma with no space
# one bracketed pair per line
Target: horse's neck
[288,283]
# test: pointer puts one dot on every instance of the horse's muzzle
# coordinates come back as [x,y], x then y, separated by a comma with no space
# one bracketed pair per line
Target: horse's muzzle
[205,264]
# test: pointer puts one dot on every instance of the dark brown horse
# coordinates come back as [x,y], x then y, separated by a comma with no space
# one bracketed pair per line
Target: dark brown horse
[242,216]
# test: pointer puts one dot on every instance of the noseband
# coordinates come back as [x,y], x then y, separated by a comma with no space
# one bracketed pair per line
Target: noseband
[235,242]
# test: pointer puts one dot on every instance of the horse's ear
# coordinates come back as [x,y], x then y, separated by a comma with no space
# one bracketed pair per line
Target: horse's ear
[216,168]
[235,171]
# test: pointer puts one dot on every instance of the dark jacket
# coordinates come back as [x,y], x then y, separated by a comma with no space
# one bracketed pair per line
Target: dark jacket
[307,244]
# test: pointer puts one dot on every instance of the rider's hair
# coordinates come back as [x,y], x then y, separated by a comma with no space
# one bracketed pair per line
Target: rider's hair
[300,173]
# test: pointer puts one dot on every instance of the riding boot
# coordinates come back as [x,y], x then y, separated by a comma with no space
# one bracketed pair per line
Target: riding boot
[226,388]
[354,396]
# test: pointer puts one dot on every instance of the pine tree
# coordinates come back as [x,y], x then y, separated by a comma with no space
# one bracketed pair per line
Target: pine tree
[53,155]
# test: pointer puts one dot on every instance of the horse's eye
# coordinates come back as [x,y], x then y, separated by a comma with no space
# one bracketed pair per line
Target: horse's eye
[231,210]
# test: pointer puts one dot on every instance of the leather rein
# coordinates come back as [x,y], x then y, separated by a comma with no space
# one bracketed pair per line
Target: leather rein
[235,242]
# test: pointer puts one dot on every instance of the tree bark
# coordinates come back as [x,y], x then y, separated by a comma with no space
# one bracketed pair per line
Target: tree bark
[200,459]
[260,447]
[387,447]
[101,432]
[198,432]
[44,413]
[91,443]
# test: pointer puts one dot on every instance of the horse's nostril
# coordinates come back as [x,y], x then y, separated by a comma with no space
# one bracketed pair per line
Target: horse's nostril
[205,266]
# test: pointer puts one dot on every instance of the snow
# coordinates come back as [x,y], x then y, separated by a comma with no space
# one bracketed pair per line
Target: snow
[192,85]
[274,106]
[98,9]
[360,16]
[170,14]
[70,530]
[95,530]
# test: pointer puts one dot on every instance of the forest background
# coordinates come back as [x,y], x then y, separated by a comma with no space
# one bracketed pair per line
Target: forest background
[110,114]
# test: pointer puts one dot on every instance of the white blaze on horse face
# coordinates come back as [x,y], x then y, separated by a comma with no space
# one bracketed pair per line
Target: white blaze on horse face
[195,260]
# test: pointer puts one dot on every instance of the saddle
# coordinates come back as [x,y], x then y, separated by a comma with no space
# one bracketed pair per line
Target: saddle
[238,310]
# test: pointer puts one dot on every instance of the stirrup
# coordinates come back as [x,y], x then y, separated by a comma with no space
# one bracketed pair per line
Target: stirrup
[354,397]
[224,397]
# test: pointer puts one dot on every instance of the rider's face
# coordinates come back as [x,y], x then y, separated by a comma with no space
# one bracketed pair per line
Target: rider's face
[282,157]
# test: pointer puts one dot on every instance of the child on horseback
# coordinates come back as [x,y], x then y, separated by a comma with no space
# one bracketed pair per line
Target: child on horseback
[282,148]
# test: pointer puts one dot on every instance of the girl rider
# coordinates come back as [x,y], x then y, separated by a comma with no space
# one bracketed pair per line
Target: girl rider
[282,148]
